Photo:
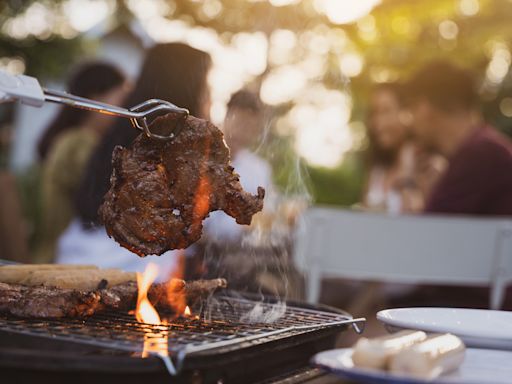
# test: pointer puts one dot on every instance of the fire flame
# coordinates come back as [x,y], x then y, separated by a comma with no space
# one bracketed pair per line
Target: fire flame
[187,312]
[145,312]
[155,338]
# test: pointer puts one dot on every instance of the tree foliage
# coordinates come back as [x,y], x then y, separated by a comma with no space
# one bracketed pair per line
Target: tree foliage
[393,41]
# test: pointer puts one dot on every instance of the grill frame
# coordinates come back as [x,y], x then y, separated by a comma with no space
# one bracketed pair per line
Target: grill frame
[285,351]
[221,333]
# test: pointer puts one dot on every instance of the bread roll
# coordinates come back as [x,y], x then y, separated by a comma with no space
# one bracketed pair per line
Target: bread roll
[87,280]
[376,353]
[437,355]
[14,274]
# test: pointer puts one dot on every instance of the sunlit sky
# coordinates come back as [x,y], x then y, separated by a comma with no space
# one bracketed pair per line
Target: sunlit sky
[319,120]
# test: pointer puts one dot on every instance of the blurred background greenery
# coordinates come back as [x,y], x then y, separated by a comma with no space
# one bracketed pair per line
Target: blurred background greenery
[312,61]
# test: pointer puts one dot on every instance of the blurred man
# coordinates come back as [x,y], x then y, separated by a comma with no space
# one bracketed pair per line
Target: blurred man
[243,128]
[400,173]
[444,105]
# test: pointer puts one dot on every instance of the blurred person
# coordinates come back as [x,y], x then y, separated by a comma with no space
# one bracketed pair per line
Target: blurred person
[400,174]
[174,72]
[445,107]
[243,130]
[66,146]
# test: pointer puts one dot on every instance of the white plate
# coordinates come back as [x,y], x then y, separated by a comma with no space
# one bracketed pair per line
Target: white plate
[481,366]
[478,328]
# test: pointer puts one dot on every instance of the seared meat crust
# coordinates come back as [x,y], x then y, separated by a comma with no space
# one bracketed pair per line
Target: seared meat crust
[51,302]
[161,191]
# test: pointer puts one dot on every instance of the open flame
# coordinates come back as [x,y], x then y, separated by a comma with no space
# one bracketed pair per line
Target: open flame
[155,338]
[145,312]
[187,312]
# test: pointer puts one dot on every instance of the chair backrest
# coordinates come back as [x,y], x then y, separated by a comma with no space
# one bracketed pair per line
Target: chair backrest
[409,249]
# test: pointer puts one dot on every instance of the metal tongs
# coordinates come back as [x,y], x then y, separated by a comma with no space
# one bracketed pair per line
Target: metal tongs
[27,90]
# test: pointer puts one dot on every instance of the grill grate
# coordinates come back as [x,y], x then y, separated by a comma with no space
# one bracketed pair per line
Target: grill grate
[228,323]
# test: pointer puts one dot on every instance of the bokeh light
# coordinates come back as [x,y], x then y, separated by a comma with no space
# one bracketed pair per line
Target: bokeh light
[448,29]
[320,120]
[84,14]
[469,7]
[342,11]
[506,106]
[351,64]
[499,64]
[12,65]
[281,3]
[282,85]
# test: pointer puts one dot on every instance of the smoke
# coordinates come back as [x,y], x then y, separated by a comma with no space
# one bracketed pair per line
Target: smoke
[265,314]
[259,258]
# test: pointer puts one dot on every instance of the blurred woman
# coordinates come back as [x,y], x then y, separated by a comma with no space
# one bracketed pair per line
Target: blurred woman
[400,174]
[67,144]
[173,72]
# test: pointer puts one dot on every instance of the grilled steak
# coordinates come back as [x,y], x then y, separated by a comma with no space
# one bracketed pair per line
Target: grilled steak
[51,302]
[162,190]
[24,301]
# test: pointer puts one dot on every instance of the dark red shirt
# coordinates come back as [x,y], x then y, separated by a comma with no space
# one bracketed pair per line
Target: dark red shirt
[478,180]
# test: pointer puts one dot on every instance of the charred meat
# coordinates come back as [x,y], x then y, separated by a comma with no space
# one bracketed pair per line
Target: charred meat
[161,191]
[25,301]
[52,302]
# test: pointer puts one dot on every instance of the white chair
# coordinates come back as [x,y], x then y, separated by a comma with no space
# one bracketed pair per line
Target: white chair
[405,249]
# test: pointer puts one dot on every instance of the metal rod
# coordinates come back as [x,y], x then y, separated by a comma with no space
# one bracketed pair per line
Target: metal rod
[137,114]
[82,103]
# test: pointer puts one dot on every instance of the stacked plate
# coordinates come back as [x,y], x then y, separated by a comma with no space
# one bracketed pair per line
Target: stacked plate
[487,334]
[478,328]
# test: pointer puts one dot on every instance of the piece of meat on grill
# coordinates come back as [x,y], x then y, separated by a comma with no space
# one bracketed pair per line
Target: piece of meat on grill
[161,190]
[52,302]
[163,295]
[47,302]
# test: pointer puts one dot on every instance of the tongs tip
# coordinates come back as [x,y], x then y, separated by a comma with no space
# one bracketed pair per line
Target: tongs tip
[152,106]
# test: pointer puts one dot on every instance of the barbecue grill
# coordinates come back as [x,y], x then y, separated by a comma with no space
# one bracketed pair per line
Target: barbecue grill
[234,339]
